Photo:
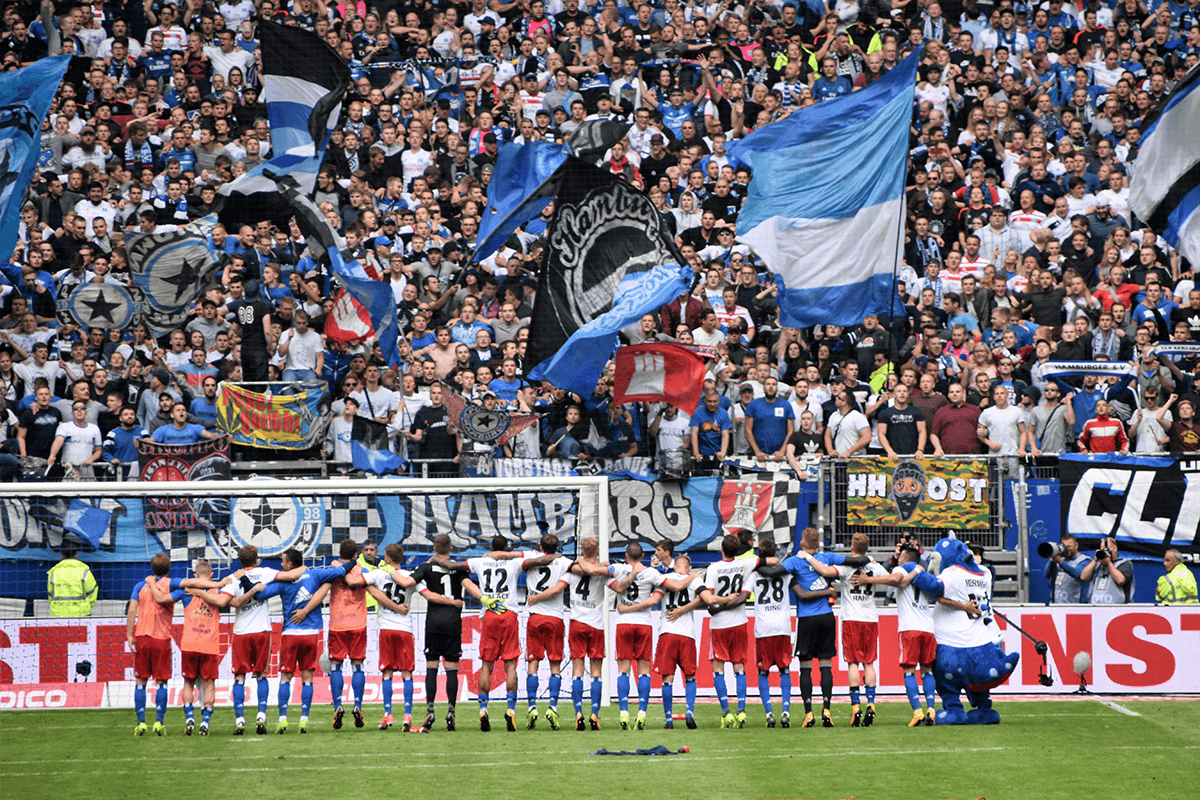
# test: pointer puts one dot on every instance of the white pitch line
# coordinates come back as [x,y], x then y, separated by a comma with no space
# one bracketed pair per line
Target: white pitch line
[1120,708]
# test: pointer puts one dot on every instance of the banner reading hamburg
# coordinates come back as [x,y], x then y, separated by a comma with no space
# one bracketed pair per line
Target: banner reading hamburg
[294,421]
[911,493]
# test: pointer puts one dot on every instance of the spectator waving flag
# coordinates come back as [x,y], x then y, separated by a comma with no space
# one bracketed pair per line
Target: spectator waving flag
[523,184]
[659,373]
[369,447]
[826,207]
[86,521]
[1165,189]
[25,97]
[304,81]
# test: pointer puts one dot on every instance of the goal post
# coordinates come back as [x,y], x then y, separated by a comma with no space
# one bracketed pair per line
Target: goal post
[212,520]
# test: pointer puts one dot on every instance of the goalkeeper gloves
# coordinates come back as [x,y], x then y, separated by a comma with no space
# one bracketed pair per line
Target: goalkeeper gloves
[494,604]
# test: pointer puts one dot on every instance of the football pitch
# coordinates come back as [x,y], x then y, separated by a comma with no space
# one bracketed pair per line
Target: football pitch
[1043,749]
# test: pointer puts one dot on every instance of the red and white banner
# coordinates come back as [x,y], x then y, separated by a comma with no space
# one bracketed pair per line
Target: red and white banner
[349,321]
[1134,650]
[658,373]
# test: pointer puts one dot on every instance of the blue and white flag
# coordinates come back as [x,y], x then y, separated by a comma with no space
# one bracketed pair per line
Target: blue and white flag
[523,184]
[370,448]
[87,522]
[304,81]
[1165,189]
[826,207]
[25,97]
[171,270]
[579,362]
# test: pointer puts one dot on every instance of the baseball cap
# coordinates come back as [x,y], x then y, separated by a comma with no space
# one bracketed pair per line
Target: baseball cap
[656,137]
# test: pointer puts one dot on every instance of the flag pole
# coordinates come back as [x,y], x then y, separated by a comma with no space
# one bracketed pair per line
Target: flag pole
[894,356]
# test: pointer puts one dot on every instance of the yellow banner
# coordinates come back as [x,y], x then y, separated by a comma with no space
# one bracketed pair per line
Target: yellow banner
[918,493]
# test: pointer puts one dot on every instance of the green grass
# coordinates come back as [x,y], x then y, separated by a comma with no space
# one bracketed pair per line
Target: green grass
[1043,749]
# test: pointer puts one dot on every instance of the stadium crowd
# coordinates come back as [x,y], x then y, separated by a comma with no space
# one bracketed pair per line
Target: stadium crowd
[1020,249]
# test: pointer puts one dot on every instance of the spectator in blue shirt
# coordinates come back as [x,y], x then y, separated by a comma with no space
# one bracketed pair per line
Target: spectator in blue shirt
[505,387]
[120,446]
[464,331]
[710,428]
[830,84]
[769,423]
[180,431]
[205,406]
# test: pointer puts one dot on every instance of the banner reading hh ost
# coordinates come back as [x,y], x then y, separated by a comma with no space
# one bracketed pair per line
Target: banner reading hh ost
[912,493]
[297,420]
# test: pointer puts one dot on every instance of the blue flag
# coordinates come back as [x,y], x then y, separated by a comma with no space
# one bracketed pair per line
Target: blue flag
[522,185]
[829,180]
[87,522]
[26,95]
[377,298]
[370,448]
[579,362]
[1165,189]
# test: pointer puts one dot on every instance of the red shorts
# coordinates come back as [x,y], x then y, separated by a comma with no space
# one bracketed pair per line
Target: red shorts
[500,637]
[586,641]
[299,653]
[544,638]
[152,659]
[675,652]
[201,665]
[396,649]
[773,651]
[917,648]
[860,642]
[635,643]
[347,644]
[729,645]
[251,653]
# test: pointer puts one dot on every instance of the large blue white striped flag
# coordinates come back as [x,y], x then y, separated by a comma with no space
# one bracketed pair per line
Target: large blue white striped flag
[1165,189]
[304,81]
[825,209]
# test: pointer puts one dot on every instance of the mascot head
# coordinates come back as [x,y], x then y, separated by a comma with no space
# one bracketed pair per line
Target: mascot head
[955,551]
[908,488]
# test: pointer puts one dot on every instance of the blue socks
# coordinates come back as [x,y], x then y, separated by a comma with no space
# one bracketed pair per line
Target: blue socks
[764,690]
[408,695]
[385,687]
[929,683]
[870,694]
[722,692]
[596,689]
[483,701]
[531,689]
[189,711]
[643,692]
[239,698]
[336,684]
[160,702]
[306,694]
[205,714]
[264,691]
[689,688]
[511,698]
[854,695]
[358,684]
[785,686]
[622,691]
[668,695]
[555,689]
[577,694]
[912,690]
[740,683]
[139,701]
[285,695]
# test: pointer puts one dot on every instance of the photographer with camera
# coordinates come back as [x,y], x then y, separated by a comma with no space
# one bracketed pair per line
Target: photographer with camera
[1111,577]
[1178,586]
[1064,570]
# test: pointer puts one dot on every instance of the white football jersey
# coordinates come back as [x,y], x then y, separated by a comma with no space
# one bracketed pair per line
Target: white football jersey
[382,580]
[858,602]
[254,617]
[539,579]
[499,578]
[725,578]
[955,628]
[644,585]
[913,607]
[772,605]
[685,625]
[587,599]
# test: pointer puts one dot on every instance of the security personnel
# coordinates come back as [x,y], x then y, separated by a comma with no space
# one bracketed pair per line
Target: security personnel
[71,586]
[368,559]
[1178,586]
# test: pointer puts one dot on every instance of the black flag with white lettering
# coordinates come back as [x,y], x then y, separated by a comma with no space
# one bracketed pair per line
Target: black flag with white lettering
[602,229]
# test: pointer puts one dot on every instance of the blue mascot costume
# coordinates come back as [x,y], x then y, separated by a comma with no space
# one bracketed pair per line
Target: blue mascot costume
[969,657]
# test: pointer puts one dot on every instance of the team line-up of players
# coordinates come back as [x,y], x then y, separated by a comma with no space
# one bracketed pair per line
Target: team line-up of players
[356,581]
